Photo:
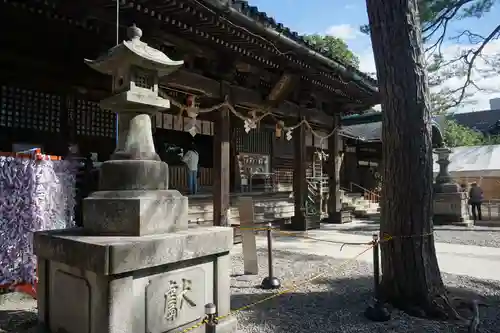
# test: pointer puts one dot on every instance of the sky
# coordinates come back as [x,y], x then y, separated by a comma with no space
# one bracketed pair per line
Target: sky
[342,18]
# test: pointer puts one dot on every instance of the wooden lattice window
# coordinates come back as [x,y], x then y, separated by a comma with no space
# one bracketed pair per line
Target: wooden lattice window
[30,109]
[91,120]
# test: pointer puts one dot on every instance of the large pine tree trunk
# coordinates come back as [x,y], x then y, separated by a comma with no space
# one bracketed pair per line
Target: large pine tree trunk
[411,277]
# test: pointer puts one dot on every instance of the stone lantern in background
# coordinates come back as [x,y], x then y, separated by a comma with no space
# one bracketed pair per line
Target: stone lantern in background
[444,181]
[450,202]
[135,266]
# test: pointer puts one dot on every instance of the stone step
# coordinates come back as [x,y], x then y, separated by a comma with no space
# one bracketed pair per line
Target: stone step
[353,194]
[487,223]
[365,213]
[263,212]
[234,210]
[466,223]
[235,220]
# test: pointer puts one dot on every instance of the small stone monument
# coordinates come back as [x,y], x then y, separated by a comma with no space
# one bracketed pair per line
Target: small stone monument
[450,202]
[135,266]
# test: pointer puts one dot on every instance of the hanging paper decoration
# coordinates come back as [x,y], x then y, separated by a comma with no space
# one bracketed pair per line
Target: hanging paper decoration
[191,127]
[279,128]
[249,125]
[251,122]
[192,109]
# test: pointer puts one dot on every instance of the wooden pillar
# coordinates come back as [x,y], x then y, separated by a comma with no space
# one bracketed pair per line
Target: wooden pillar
[299,221]
[334,163]
[221,166]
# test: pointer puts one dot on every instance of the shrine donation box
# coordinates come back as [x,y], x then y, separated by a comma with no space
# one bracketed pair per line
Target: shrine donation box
[135,266]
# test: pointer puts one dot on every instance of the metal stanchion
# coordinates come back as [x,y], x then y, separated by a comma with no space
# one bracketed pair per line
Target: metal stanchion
[211,313]
[376,267]
[377,311]
[270,281]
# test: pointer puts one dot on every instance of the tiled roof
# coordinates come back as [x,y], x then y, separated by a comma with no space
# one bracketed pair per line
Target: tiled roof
[372,132]
[253,12]
[482,121]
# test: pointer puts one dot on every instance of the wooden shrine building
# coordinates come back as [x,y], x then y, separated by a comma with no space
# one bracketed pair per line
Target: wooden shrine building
[232,52]
[363,149]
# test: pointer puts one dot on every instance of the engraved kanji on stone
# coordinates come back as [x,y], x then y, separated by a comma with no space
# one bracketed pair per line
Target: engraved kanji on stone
[175,297]
[171,311]
[184,295]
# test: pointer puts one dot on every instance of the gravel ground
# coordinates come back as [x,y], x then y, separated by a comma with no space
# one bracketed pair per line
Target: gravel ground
[17,313]
[336,302]
[332,303]
[480,236]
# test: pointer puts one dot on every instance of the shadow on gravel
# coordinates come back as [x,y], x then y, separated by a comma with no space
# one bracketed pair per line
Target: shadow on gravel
[16,321]
[338,305]
[371,229]
[341,310]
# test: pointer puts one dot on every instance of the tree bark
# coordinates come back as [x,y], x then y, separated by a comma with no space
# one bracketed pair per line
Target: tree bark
[411,277]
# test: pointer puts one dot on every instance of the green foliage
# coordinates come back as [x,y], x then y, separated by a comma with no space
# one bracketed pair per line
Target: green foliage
[335,47]
[435,13]
[432,11]
[456,135]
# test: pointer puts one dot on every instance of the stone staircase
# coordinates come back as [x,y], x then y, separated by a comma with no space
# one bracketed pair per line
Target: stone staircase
[268,207]
[360,206]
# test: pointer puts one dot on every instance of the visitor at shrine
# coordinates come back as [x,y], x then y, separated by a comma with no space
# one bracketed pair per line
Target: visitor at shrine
[475,200]
[191,159]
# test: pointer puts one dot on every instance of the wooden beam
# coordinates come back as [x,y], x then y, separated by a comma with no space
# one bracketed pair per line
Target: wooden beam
[189,81]
[222,162]
[286,83]
[334,175]
[186,80]
[299,221]
[335,214]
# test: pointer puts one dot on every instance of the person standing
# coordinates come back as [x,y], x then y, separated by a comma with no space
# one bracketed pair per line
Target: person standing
[191,159]
[475,200]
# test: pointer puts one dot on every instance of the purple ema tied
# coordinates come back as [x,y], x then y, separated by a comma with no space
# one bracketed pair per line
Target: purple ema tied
[34,196]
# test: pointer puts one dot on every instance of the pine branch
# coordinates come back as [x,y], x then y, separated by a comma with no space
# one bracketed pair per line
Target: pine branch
[469,58]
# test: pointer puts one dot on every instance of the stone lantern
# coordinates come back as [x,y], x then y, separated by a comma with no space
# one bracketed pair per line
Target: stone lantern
[443,160]
[136,69]
[135,165]
[450,202]
[135,266]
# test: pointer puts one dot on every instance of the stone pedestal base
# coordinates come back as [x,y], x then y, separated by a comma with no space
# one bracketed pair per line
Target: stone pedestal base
[149,284]
[135,213]
[129,175]
[451,208]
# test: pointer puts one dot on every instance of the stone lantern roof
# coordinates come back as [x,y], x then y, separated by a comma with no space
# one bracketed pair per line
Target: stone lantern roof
[134,52]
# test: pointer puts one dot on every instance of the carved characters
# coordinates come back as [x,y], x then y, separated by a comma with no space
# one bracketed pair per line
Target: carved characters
[175,297]
[171,311]
[184,295]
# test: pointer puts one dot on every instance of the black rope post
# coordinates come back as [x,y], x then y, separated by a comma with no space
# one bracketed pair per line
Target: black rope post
[376,266]
[377,311]
[270,281]
[211,320]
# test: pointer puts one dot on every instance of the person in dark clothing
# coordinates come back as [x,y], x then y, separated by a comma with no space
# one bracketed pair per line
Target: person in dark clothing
[475,200]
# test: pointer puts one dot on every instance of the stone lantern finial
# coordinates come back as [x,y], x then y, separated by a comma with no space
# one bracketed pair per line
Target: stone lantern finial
[133,32]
